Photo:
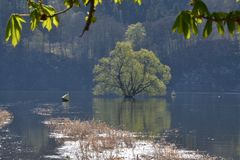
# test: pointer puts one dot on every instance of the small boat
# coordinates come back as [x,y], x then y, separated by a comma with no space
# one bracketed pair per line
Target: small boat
[66,97]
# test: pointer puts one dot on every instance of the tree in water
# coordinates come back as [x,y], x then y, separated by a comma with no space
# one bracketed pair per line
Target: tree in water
[128,73]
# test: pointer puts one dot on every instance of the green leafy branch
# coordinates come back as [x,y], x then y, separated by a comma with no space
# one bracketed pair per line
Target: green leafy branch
[47,15]
[187,21]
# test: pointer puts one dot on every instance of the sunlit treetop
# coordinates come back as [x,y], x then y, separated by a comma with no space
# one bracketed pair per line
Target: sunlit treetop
[186,23]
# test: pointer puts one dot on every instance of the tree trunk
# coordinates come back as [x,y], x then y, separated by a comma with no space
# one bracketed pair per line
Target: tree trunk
[128,97]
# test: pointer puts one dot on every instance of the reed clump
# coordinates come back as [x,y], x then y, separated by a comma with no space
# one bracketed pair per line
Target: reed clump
[97,140]
[98,133]
[5,117]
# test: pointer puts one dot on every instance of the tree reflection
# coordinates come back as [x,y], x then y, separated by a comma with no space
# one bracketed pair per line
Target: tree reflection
[37,138]
[149,116]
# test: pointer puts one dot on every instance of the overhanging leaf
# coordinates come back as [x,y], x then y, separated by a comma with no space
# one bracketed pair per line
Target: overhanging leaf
[207,29]
[14,29]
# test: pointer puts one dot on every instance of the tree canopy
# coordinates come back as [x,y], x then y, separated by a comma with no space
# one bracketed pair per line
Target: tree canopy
[135,34]
[127,72]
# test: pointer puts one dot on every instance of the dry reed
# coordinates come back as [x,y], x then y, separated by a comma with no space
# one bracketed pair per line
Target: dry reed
[5,117]
[95,138]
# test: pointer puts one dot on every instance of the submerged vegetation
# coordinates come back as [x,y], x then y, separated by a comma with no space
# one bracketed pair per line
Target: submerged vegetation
[5,117]
[96,140]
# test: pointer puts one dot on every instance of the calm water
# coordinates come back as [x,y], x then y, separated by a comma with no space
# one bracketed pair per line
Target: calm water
[197,121]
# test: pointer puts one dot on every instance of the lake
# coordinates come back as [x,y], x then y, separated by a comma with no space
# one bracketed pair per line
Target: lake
[208,122]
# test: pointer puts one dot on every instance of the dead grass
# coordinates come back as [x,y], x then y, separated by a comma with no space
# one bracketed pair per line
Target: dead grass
[5,117]
[98,133]
[96,140]
[170,152]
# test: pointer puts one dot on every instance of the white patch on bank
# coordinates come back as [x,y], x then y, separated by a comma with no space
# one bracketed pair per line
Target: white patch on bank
[76,150]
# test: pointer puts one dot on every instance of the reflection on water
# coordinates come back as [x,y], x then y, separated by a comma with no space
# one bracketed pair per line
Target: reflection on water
[36,138]
[66,105]
[148,116]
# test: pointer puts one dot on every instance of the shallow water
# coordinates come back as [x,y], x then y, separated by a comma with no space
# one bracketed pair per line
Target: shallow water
[208,122]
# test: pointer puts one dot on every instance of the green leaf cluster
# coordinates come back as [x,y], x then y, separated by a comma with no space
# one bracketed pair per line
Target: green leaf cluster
[39,13]
[49,11]
[14,28]
[44,14]
[185,24]
[139,2]
[187,21]
[70,3]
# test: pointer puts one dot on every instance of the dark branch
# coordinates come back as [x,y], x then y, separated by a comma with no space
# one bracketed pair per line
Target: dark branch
[61,12]
[56,14]
[234,18]
[90,16]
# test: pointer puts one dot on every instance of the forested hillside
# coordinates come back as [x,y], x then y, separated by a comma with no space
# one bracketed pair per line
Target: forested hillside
[62,60]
